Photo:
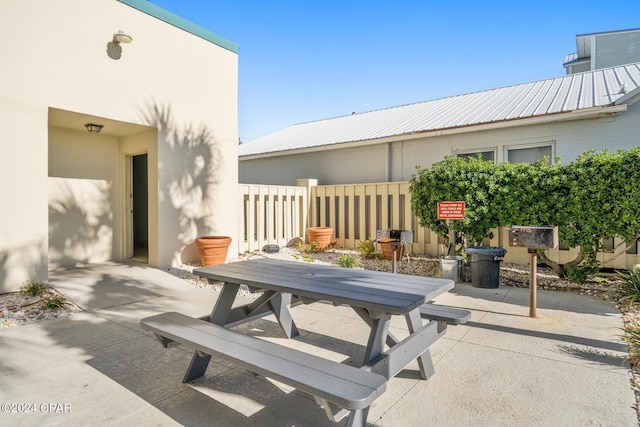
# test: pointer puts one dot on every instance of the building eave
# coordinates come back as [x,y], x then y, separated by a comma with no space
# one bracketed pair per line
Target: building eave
[177,21]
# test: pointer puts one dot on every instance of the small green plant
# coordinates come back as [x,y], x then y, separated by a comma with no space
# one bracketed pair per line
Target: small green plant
[579,273]
[348,261]
[367,249]
[34,288]
[629,288]
[54,302]
[309,248]
[632,337]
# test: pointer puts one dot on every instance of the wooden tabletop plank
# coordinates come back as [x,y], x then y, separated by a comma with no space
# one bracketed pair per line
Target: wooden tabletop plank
[388,292]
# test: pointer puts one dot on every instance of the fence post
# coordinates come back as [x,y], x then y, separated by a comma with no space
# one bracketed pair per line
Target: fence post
[308,184]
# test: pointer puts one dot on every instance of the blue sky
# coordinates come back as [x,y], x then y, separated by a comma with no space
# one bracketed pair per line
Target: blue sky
[302,61]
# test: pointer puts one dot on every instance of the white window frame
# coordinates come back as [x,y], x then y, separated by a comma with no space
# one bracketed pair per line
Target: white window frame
[547,143]
[458,151]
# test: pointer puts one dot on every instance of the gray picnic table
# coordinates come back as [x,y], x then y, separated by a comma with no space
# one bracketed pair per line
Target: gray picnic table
[375,296]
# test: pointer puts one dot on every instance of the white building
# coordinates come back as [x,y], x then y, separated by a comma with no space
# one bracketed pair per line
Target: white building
[603,50]
[159,172]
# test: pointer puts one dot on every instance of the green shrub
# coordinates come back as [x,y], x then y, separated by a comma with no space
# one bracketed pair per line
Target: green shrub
[348,261]
[34,288]
[367,249]
[472,180]
[546,192]
[629,288]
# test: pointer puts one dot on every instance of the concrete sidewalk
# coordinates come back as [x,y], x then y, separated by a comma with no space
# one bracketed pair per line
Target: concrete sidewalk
[565,368]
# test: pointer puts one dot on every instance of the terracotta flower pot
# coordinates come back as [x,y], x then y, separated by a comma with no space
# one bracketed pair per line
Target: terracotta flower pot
[322,235]
[387,250]
[213,249]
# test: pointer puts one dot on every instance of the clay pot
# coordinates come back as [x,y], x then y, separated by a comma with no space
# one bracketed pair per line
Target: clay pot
[387,250]
[213,249]
[322,235]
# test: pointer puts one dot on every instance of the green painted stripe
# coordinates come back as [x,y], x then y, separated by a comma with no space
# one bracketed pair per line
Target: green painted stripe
[177,21]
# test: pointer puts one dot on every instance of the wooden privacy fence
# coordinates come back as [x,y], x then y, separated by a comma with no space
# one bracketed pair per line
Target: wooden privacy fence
[278,214]
[356,211]
[271,215]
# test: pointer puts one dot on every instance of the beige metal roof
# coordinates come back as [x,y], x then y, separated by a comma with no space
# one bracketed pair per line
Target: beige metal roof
[567,94]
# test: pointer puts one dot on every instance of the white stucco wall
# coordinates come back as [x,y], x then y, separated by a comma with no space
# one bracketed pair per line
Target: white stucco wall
[370,163]
[82,197]
[23,217]
[166,78]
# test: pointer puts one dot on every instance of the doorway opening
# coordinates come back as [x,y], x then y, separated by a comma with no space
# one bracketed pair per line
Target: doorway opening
[140,207]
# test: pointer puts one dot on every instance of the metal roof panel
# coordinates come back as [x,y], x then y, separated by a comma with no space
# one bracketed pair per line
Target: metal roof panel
[545,97]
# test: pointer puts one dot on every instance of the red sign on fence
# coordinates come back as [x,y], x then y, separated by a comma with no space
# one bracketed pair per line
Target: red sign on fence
[450,210]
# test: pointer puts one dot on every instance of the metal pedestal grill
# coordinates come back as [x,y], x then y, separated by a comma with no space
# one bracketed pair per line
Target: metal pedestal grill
[395,238]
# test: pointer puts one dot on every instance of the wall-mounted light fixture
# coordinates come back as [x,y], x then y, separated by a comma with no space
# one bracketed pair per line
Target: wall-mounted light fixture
[114,49]
[121,37]
[93,128]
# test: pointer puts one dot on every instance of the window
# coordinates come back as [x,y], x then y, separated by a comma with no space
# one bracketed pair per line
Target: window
[487,156]
[529,154]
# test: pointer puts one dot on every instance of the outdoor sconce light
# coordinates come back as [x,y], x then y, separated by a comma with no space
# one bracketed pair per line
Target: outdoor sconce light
[114,50]
[93,128]
[121,37]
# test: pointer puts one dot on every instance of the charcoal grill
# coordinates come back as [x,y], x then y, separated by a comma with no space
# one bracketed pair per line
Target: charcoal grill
[533,238]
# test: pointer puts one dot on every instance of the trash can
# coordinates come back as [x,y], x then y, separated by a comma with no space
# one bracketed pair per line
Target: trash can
[485,265]
[451,268]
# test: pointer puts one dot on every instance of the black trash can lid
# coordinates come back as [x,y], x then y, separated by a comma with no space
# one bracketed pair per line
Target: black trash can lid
[486,250]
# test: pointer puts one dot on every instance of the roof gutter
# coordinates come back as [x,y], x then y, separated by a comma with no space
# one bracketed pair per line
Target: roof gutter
[587,113]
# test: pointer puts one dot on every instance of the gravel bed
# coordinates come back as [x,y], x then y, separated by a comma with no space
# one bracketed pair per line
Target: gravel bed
[19,309]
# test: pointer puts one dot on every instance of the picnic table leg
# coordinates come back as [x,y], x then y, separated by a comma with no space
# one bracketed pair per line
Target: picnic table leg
[280,304]
[219,314]
[358,418]
[414,322]
[377,338]
[364,315]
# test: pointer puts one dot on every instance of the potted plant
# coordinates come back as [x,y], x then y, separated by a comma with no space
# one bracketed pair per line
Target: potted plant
[322,235]
[213,249]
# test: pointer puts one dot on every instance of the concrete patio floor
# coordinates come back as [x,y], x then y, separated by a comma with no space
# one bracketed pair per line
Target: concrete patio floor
[565,368]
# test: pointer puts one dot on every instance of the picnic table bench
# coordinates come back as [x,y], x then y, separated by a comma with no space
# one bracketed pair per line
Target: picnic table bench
[349,388]
[444,315]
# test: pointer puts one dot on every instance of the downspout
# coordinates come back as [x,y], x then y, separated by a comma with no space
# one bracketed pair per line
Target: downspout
[387,162]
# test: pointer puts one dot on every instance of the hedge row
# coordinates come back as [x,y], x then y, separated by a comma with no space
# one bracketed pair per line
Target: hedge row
[597,196]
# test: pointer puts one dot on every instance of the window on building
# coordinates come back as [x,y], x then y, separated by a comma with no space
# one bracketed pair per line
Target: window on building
[529,154]
[487,156]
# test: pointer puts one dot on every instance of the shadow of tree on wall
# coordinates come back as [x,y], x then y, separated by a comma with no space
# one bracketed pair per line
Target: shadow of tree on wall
[31,254]
[80,223]
[188,161]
